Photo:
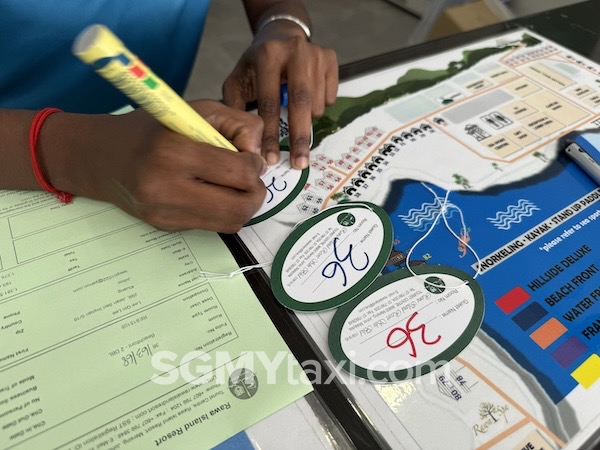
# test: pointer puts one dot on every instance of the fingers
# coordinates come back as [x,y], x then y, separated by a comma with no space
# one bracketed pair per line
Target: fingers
[200,187]
[279,54]
[172,182]
[243,129]
[240,171]
[300,100]
[331,76]
[300,121]
[217,209]
[312,80]
[268,99]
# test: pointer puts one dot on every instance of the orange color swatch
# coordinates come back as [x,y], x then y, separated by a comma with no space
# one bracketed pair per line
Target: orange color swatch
[549,332]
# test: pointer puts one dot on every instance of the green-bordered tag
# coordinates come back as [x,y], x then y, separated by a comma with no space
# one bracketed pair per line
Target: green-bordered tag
[283,185]
[404,326]
[332,257]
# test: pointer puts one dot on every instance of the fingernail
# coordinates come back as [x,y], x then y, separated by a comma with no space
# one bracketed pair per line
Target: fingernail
[301,162]
[265,167]
[272,158]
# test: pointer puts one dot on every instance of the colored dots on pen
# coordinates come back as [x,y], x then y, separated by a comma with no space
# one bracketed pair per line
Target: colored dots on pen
[135,69]
[123,59]
[139,72]
[103,62]
[151,83]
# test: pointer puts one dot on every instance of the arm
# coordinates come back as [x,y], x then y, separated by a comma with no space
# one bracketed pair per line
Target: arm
[281,52]
[145,169]
[15,167]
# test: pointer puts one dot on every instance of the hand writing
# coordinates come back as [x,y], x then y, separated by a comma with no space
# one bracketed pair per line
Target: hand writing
[157,175]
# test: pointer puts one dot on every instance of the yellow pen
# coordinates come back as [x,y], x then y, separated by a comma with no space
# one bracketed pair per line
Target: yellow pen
[99,47]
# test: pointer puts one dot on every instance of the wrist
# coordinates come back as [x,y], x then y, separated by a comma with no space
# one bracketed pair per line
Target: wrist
[38,169]
[64,150]
[287,22]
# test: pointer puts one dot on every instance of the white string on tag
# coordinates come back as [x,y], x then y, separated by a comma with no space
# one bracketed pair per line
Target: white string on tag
[444,206]
[241,270]
[220,276]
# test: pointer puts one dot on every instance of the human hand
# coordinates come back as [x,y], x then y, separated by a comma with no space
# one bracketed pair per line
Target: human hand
[166,179]
[281,53]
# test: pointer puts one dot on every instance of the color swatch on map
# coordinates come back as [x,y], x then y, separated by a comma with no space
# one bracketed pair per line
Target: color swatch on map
[588,372]
[530,315]
[548,333]
[512,299]
[568,352]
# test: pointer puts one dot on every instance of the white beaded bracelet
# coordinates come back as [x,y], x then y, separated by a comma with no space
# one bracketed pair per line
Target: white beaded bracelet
[288,17]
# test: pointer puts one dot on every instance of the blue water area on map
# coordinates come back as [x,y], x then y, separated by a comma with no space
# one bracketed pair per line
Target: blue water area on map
[534,201]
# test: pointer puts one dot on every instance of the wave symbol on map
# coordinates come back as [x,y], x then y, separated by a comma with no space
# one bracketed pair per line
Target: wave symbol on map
[503,220]
[422,218]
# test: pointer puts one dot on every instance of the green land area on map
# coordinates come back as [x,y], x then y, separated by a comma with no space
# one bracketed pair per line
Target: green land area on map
[347,109]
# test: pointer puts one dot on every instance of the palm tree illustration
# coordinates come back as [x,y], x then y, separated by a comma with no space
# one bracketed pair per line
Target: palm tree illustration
[461,181]
[340,197]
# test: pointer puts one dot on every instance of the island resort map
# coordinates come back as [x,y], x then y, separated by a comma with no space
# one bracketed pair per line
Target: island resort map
[468,144]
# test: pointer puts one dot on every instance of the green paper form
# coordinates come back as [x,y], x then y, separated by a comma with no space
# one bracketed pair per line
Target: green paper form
[111,335]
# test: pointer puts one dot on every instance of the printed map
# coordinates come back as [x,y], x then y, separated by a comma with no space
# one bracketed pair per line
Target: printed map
[486,123]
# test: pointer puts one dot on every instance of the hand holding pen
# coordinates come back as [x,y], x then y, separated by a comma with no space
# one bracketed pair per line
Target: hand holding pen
[155,174]
[172,180]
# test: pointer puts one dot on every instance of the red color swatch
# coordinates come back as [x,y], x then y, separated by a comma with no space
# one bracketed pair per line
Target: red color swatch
[512,299]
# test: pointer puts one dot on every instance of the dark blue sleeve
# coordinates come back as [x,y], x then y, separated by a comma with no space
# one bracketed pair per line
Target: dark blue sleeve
[38,69]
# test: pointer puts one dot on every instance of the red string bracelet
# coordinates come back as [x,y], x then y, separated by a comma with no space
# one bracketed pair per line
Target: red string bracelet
[34,133]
